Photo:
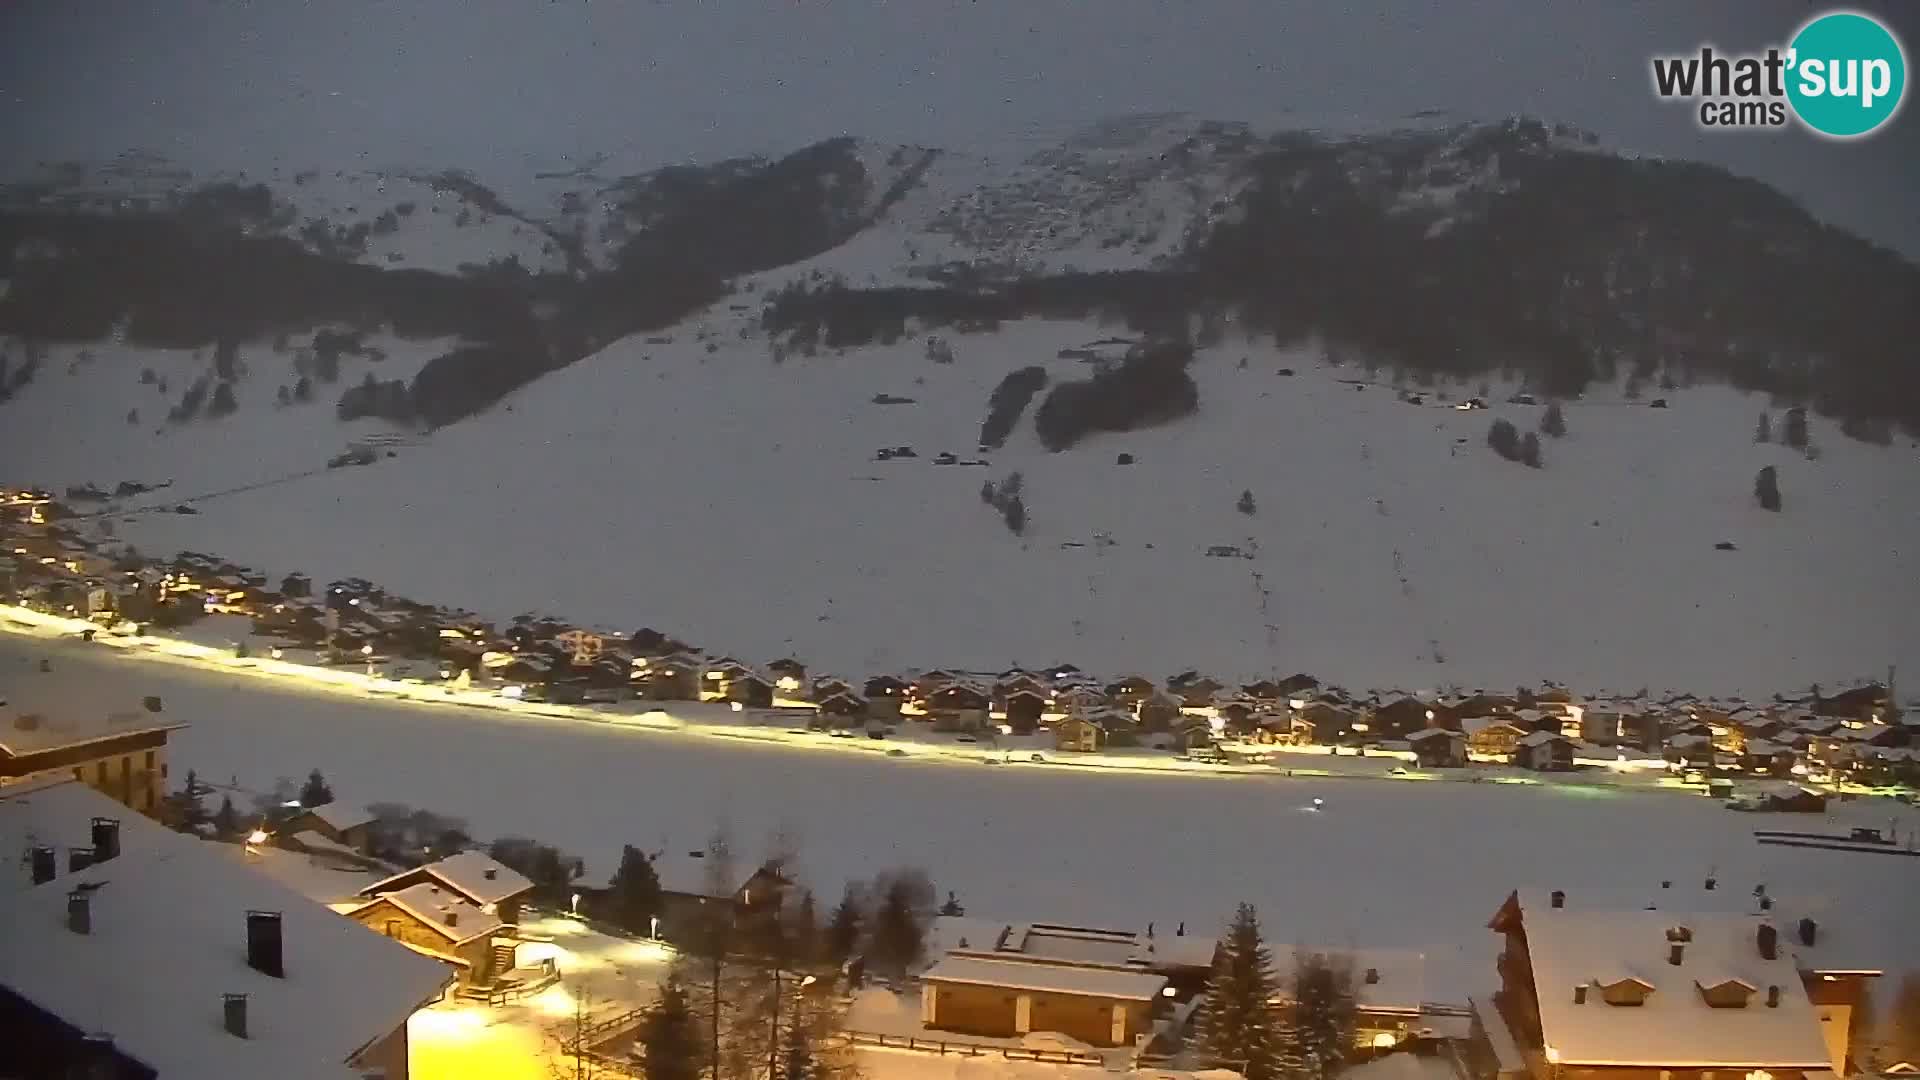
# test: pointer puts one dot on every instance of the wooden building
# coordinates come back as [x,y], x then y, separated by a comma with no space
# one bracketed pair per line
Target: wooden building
[59,728]
[1491,738]
[1438,748]
[443,925]
[1024,707]
[1078,734]
[1632,991]
[1543,751]
[1007,998]
[472,876]
[340,823]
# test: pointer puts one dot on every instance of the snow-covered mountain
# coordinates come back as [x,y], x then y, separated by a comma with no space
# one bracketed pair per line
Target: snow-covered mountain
[678,398]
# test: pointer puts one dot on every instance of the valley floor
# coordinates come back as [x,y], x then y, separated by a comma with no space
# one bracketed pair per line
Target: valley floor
[1404,865]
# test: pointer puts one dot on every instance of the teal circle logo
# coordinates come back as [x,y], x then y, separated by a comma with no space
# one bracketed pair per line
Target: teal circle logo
[1846,75]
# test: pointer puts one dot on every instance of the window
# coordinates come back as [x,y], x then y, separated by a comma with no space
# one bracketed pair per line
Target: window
[393,928]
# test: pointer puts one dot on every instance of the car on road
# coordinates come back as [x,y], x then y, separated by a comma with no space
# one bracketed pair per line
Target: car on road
[1041,758]
[896,752]
[965,738]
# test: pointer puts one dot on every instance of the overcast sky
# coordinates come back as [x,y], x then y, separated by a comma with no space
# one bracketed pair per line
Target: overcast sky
[494,85]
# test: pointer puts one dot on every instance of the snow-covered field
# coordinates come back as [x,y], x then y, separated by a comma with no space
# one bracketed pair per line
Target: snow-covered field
[1384,865]
[736,503]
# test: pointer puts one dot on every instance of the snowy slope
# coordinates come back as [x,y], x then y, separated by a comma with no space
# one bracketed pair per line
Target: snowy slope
[736,502]
[94,411]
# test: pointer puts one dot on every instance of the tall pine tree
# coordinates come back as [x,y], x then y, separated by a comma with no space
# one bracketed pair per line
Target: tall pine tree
[1239,1029]
[842,936]
[315,791]
[669,1036]
[635,890]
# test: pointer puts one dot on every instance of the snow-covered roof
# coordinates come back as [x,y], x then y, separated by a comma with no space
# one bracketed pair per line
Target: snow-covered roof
[1433,733]
[1403,1066]
[1541,738]
[473,874]
[44,710]
[1047,978]
[1674,1027]
[341,816]
[175,906]
[450,916]
[1475,724]
[690,873]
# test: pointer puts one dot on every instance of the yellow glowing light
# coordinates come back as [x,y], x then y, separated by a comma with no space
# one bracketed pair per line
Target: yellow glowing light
[787,682]
[1382,1041]
[1553,1054]
[257,836]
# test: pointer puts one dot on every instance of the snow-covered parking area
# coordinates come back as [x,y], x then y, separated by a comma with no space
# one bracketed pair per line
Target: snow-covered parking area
[1389,865]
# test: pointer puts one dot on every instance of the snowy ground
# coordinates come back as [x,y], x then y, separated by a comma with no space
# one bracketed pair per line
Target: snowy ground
[736,503]
[1385,865]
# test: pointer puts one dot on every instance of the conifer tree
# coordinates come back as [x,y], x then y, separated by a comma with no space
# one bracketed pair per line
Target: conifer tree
[226,820]
[1239,1030]
[315,792]
[844,926]
[635,890]
[1554,423]
[669,1038]
[1245,505]
[1320,1016]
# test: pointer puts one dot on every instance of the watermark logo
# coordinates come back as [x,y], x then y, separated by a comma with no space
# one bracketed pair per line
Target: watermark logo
[1842,75]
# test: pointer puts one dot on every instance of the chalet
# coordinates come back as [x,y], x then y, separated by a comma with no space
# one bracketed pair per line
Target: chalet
[54,725]
[1097,986]
[1491,738]
[1197,692]
[1331,723]
[338,823]
[472,876]
[1438,748]
[1024,708]
[1400,718]
[826,686]
[885,693]
[1299,683]
[1236,716]
[1616,988]
[844,708]
[1080,698]
[789,675]
[1869,702]
[1118,727]
[1158,712]
[1196,735]
[665,679]
[1543,751]
[1265,693]
[1481,705]
[927,683]
[1077,733]
[1131,689]
[959,706]
[1766,758]
[445,926]
[255,979]
[693,880]
[748,688]
[1017,683]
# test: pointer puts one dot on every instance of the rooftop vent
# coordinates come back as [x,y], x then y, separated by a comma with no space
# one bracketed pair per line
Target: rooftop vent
[1773,997]
[1373,976]
[1676,952]
[491,873]
[80,911]
[1809,932]
[235,1008]
[78,859]
[264,953]
[44,865]
[1580,994]
[1711,883]
[1768,940]
[453,918]
[106,838]
[1559,898]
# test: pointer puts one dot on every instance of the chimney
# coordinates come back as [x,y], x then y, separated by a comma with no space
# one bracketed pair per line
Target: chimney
[80,911]
[1373,976]
[43,865]
[1773,997]
[1675,952]
[1559,898]
[491,873]
[106,838]
[1580,994]
[1766,903]
[1809,932]
[1711,883]
[453,918]
[79,859]
[1768,939]
[100,1056]
[1666,884]
[263,944]
[235,1007]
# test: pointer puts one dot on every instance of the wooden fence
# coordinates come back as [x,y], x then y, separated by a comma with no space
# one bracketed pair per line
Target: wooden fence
[964,1049]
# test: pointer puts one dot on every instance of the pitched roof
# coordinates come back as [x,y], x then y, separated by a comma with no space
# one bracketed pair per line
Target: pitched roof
[1047,978]
[473,874]
[450,916]
[176,905]
[341,815]
[1674,1027]
[1400,975]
